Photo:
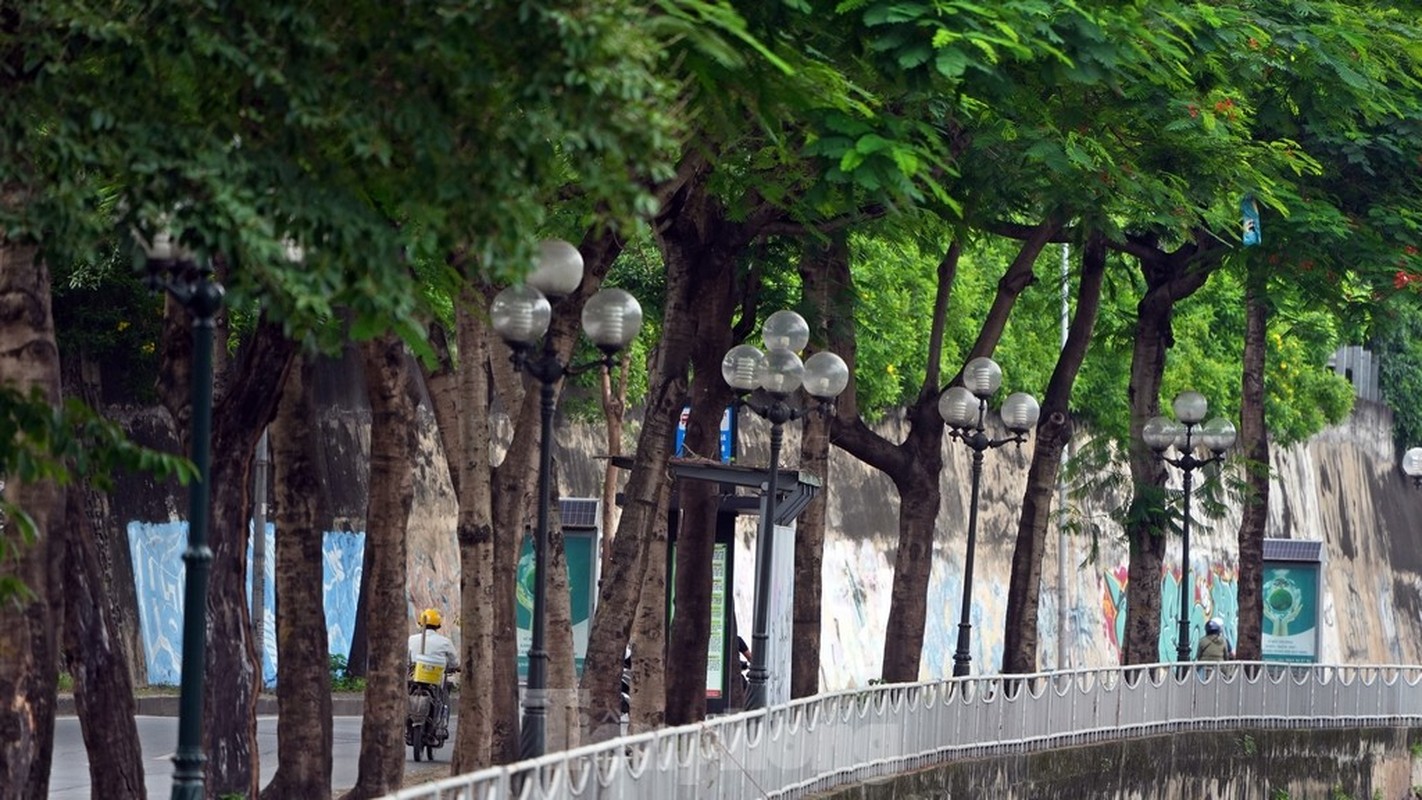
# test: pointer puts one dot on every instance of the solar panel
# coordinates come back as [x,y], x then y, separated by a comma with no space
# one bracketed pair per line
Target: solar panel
[578,512]
[1293,550]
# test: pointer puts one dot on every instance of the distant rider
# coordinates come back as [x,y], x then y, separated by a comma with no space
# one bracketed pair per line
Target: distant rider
[1213,646]
[430,642]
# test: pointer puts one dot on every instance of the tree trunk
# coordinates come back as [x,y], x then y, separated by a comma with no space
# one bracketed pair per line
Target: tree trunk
[619,593]
[818,291]
[475,531]
[562,729]
[29,664]
[614,411]
[1169,279]
[649,634]
[245,405]
[392,411]
[103,686]
[1254,439]
[913,466]
[233,677]
[107,538]
[698,243]
[1053,431]
[304,734]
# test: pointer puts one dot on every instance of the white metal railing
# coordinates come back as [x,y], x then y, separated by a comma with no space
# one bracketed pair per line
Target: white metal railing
[818,743]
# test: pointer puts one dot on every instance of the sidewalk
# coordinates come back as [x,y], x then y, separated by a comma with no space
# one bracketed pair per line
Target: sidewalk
[166,705]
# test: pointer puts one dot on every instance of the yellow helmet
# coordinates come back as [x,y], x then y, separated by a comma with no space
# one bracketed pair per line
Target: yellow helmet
[430,618]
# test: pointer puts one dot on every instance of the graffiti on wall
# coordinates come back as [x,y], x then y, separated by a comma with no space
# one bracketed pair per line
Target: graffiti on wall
[1214,593]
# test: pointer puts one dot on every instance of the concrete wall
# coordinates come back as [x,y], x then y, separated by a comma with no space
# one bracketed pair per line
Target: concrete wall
[1246,764]
[1342,488]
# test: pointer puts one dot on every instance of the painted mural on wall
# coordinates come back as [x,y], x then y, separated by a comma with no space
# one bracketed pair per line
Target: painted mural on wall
[1214,593]
[159,574]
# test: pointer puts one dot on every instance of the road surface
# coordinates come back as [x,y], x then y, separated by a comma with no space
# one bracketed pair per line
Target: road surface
[69,771]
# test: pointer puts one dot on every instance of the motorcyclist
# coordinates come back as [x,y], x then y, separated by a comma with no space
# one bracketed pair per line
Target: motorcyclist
[430,642]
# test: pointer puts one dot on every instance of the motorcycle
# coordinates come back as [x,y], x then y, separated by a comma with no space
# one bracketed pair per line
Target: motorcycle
[427,718]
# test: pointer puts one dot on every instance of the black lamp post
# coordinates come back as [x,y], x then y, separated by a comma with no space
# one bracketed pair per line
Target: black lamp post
[175,270]
[964,409]
[521,314]
[1412,466]
[776,374]
[1217,436]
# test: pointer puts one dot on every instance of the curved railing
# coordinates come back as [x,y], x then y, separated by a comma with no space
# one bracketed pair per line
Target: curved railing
[818,743]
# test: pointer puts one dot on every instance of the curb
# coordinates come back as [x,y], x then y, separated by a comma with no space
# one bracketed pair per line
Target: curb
[167,706]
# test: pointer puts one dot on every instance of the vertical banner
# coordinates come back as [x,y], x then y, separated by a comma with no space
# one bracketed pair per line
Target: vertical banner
[580,547]
[1290,622]
[716,651]
[727,443]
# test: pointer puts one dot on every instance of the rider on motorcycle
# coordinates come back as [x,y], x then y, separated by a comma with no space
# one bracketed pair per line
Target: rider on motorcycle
[430,642]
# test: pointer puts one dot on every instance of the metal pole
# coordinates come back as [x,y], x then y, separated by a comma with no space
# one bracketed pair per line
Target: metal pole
[1063,596]
[535,706]
[202,302]
[963,659]
[1182,648]
[758,674]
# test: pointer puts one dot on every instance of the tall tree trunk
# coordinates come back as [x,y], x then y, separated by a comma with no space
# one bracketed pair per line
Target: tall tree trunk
[80,378]
[649,634]
[913,466]
[513,489]
[562,729]
[475,531]
[103,686]
[245,406]
[701,238]
[1170,277]
[304,734]
[818,291]
[614,410]
[392,411]
[619,592]
[1255,440]
[1053,431]
[29,664]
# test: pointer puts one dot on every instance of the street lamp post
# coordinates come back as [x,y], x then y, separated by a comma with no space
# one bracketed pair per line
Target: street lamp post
[764,381]
[520,314]
[1412,466]
[173,269]
[1217,436]
[964,409]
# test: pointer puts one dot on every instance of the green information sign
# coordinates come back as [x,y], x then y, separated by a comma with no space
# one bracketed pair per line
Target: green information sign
[581,549]
[1290,624]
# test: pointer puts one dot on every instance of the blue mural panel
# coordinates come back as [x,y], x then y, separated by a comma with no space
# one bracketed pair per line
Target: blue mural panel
[159,573]
[341,575]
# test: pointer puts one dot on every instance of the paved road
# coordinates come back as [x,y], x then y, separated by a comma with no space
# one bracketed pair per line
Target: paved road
[69,773]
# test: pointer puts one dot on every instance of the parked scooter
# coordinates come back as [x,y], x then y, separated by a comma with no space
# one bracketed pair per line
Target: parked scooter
[427,720]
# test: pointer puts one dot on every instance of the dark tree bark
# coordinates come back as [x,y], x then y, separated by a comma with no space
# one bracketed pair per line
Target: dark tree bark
[103,686]
[649,635]
[304,734]
[1170,277]
[619,593]
[1053,431]
[514,483]
[107,538]
[1254,441]
[392,412]
[914,465]
[818,291]
[246,402]
[29,650]
[707,243]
